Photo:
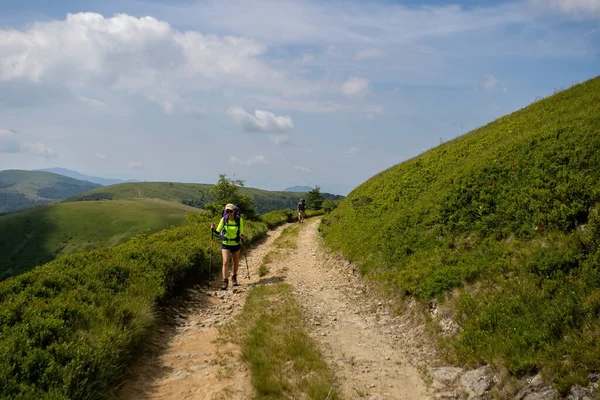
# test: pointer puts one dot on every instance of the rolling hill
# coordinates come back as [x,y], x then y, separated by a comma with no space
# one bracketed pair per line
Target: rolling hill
[502,226]
[23,189]
[82,177]
[192,194]
[34,237]
[297,188]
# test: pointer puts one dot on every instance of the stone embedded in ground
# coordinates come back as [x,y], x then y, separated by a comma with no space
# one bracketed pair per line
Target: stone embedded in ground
[477,381]
[539,393]
[583,393]
[445,375]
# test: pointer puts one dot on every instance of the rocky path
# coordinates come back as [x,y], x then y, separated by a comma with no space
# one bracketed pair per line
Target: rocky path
[373,354]
[185,360]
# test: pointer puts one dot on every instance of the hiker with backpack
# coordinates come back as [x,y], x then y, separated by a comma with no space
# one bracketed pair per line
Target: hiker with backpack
[231,232]
[301,210]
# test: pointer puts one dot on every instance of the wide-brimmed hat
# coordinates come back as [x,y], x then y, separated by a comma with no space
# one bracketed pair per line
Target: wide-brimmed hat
[230,207]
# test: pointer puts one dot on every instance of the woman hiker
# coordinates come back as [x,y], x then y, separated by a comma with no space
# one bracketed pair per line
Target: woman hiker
[231,230]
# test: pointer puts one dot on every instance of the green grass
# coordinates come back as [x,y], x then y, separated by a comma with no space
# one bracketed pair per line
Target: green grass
[503,218]
[263,270]
[288,238]
[284,363]
[36,236]
[281,246]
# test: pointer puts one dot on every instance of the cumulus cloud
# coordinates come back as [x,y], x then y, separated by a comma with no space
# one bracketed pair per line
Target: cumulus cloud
[261,121]
[490,81]
[9,142]
[302,169]
[138,55]
[134,165]
[355,87]
[259,159]
[368,53]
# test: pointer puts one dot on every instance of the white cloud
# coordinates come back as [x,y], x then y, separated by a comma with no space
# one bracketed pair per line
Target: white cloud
[352,150]
[92,102]
[302,169]
[278,139]
[137,55]
[259,159]
[490,81]
[261,121]
[580,7]
[101,156]
[40,150]
[355,87]
[9,142]
[368,53]
[134,165]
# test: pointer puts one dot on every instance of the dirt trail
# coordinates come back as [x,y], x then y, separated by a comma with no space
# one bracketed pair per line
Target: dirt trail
[371,352]
[184,361]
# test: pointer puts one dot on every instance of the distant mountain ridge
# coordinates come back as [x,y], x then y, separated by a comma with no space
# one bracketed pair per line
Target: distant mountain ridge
[298,189]
[89,178]
[21,189]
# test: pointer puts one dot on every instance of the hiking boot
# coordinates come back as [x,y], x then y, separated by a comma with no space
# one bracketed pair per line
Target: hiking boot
[234,280]
[225,283]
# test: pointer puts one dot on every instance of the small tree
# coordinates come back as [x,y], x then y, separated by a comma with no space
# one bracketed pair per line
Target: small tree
[227,191]
[315,199]
[330,205]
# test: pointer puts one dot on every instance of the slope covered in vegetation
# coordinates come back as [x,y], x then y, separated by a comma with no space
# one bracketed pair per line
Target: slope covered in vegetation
[192,194]
[505,219]
[22,189]
[34,237]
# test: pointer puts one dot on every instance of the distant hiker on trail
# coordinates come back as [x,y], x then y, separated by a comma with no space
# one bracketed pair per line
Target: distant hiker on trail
[301,210]
[231,231]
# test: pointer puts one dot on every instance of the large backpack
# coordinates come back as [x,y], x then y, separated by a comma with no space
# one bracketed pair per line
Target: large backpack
[302,206]
[237,214]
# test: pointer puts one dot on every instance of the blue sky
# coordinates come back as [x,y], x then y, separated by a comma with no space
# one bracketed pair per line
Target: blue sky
[277,93]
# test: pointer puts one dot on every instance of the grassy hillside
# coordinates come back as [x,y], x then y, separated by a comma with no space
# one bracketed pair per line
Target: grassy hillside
[193,194]
[502,223]
[34,237]
[23,189]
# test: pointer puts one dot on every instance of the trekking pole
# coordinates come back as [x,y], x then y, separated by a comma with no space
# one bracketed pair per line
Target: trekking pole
[246,257]
[212,234]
